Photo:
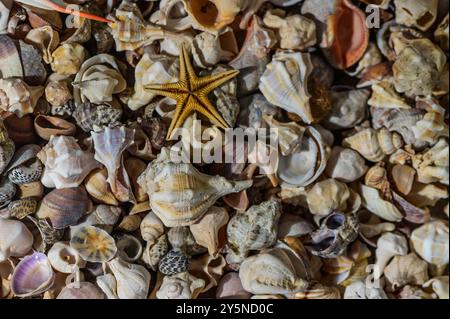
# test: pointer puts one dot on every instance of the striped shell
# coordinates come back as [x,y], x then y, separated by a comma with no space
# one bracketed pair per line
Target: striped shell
[93,244]
[431,242]
[174,262]
[319,291]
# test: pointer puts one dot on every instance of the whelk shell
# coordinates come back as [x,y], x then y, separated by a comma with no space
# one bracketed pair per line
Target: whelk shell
[133,281]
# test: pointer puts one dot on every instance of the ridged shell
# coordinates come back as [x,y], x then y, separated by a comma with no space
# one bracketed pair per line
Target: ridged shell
[431,242]
[18,97]
[93,244]
[155,251]
[133,281]
[180,286]
[151,227]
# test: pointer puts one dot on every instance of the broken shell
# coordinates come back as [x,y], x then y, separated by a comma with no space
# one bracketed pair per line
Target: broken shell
[403,178]
[65,207]
[210,268]
[133,281]
[7,191]
[20,130]
[421,14]
[293,225]
[23,207]
[98,187]
[406,270]
[93,244]
[45,39]
[362,290]
[135,167]
[373,202]
[130,223]
[385,96]
[129,248]
[441,35]
[154,251]
[439,286]
[433,164]
[67,59]
[32,276]
[18,97]
[15,239]
[327,196]
[432,126]
[109,147]
[345,165]
[180,286]
[289,135]
[208,51]
[285,83]
[64,258]
[271,272]
[431,242]
[92,117]
[255,229]
[168,183]
[388,246]
[7,148]
[108,285]
[81,290]
[374,145]
[172,14]
[46,126]
[209,231]
[174,262]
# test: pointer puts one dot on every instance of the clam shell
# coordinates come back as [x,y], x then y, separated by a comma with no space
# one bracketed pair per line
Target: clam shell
[93,244]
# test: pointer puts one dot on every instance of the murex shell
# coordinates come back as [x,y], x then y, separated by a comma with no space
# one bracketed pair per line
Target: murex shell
[180,195]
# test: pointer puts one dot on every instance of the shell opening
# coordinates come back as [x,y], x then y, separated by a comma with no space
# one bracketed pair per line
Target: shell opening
[205,12]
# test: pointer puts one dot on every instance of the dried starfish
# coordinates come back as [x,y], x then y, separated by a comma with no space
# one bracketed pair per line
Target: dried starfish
[191,93]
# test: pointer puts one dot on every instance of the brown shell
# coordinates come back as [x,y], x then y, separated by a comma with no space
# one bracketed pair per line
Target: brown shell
[46,126]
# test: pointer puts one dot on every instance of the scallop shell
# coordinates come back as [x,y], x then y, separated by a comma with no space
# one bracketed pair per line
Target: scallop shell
[65,207]
[46,126]
[32,276]
[180,286]
[421,14]
[64,258]
[15,239]
[271,272]
[168,184]
[406,270]
[327,196]
[66,164]
[93,244]
[155,251]
[67,58]
[285,84]
[97,186]
[345,165]
[133,281]
[431,242]
[109,147]
[18,97]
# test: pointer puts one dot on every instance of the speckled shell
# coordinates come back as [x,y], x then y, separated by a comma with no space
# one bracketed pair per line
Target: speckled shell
[92,117]
[7,147]
[18,97]
[174,262]
[271,272]
[23,207]
[93,244]
[431,242]
[7,191]
[25,168]
[155,251]
[65,207]
[255,229]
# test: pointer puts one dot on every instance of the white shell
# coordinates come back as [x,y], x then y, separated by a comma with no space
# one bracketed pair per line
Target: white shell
[18,97]
[345,165]
[420,14]
[151,227]
[133,281]
[64,258]
[180,286]
[360,290]
[371,199]
[431,242]
[388,246]
[15,239]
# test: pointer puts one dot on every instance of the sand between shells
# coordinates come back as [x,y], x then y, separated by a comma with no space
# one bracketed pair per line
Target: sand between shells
[354,206]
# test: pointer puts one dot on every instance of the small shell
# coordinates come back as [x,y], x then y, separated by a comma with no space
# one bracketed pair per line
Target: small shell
[403,178]
[135,167]
[388,246]
[129,248]
[7,191]
[431,242]
[421,14]
[293,225]
[433,164]
[174,262]
[328,196]
[44,234]
[46,126]
[255,229]
[67,59]
[289,135]
[172,14]
[209,268]
[271,272]
[103,216]
[345,165]
[133,281]
[15,239]
[181,238]
[208,232]
[92,117]
[20,130]
[432,126]
[23,207]
[18,97]
[385,96]
[7,148]
[65,207]
[377,178]
[98,187]
[439,285]
[64,258]
[151,227]
[32,276]
[45,39]
[108,285]
[372,201]
[57,93]
[154,251]
[180,286]
[362,290]
[406,270]
[93,244]
[130,223]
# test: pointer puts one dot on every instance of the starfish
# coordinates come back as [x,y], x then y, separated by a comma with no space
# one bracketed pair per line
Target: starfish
[191,93]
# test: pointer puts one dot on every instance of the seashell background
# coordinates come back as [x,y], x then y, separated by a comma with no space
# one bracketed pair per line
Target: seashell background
[91,207]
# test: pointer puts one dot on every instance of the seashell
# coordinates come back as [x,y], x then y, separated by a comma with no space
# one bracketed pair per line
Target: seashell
[98,79]
[439,286]
[93,244]
[11,59]
[336,232]
[20,130]
[441,34]
[98,187]
[26,173]
[305,166]
[296,32]
[109,147]
[32,276]
[174,262]
[129,248]
[108,284]
[271,272]
[154,251]
[68,58]
[348,109]
[64,258]
[43,233]
[418,67]
[432,126]
[15,239]
[361,290]
[7,148]
[210,268]
[423,195]
[152,69]
[83,29]
[421,14]
[167,183]
[46,126]
[172,14]
[181,238]
[103,38]
[373,144]
[405,270]
[346,49]
[318,291]
[256,229]
[92,117]
[209,231]
[34,71]
[345,165]
[81,290]
[130,223]
[230,286]
[289,135]
[133,281]
[103,216]
[285,84]
[151,227]
[23,207]
[18,97]
[293,225]
[377,178]
[389,245]
[370,62]
[180,286]
[432,165]
[45,39]
[7,191]
[403,178]
[373,202]
[385,96]
[142,148]
[327,196]
[57,93]
[430,241]
[65,207]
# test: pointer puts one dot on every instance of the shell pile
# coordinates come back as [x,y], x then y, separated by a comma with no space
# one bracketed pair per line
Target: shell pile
[355,92]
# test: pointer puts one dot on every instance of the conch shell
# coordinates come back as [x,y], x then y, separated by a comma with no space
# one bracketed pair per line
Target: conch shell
[18,97]
[180,195]
[66,164]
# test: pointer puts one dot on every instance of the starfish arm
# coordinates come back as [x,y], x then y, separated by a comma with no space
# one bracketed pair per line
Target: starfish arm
[179,108]
[184,77]
[214,116]
[169,90]
[191,76]
[208,83]
[182,115]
